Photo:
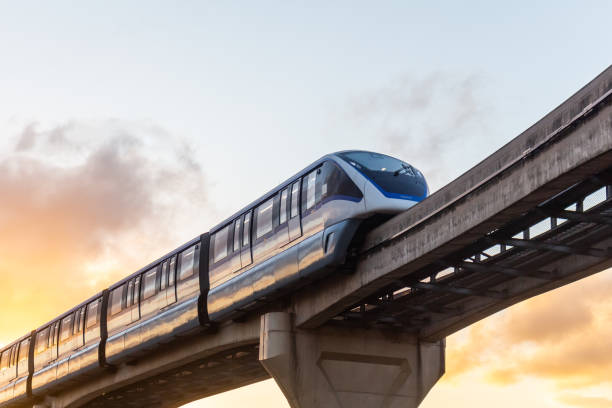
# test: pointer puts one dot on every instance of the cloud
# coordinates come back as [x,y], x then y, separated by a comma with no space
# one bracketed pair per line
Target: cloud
[428,121]
[585,402]
[84,204]
[562,336]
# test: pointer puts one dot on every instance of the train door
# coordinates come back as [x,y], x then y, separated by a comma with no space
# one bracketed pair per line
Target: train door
[246,255]
[295,221]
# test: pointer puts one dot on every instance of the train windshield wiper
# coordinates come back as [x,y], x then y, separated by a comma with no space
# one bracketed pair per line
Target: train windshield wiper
[404,168]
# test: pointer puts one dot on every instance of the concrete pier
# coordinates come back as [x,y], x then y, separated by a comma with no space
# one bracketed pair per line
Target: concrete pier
[337,367]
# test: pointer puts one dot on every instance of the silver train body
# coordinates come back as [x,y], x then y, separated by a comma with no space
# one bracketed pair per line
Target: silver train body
[297,233]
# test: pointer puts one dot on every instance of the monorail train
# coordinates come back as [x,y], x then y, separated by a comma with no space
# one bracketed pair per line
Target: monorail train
[294,234]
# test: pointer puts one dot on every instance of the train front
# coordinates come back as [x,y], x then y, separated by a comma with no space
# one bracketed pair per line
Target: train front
[391,185]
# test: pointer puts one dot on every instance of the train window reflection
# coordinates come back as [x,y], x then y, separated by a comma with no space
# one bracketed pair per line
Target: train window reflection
[283,206]
[116,300]
[23,350]
[237,235]
[220,244]
[66,328]
[187,260]
[246,229]
[149,283]
[172,271]
[311,180]
[295,195]
[264,218]
[4,363]
[42,340]
[92,313]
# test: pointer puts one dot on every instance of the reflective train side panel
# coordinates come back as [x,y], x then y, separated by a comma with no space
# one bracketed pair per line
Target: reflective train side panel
[304,227]
[158,303]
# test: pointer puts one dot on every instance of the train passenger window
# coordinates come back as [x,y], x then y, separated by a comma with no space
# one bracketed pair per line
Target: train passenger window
[149,283]
[130,293]
[66,328]
[187,261]
[13,356]
[172,270]
[93,309]
[116,300]
[295,196]
[24,349]
[264,218]
[283,206]
[311,182]
[80,320]
[220,244]
[164,275]
[237,235]
[52,335]
[76,321]
[4,360]
[42,340]
[246,229]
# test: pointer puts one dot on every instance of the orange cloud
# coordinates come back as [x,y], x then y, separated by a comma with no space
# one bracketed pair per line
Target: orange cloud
[563,336]
[585,402]
[84,204]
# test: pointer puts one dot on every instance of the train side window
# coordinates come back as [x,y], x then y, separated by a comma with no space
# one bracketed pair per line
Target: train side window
[51,335]
[4,362]
[116,300]
[220,244]
[246,229]
[264,218]
[164,275]
[42,340]
[149,283]
[295,196]
[187,263]
[92,313]
[283,206]
[310,182]
[130,293]
[78,321]
[171,273]
[237,235]
[66,328]
[24,349]
[12,357]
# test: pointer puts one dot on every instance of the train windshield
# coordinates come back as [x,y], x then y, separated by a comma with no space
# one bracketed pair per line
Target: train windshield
[393,177]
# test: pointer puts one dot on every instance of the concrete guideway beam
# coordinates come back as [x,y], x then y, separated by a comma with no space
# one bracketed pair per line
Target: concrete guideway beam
[337,367]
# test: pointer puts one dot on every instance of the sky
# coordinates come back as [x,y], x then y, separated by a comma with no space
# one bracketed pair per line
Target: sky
[128,128]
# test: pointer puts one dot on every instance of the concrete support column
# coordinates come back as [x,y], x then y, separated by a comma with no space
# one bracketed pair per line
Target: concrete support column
[332,367]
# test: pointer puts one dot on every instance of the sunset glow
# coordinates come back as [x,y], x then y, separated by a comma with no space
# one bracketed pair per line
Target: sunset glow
[128,129]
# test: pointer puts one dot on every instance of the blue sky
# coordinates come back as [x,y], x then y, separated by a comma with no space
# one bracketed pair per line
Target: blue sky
[254,91]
